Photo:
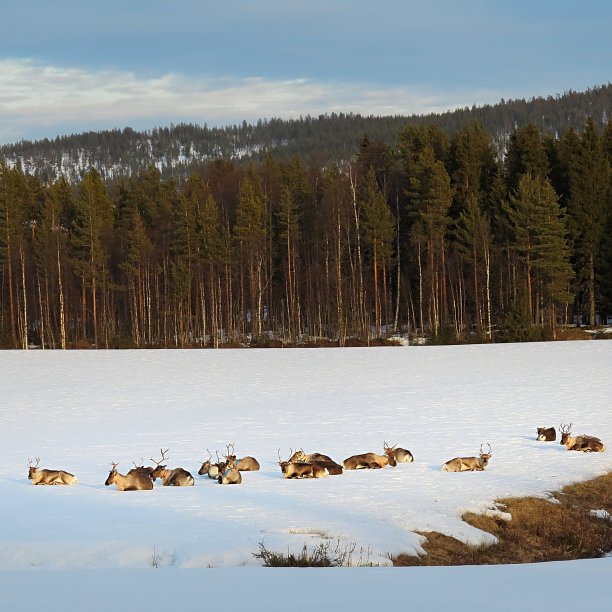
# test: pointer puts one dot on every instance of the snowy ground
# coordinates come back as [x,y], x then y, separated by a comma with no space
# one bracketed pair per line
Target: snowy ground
[79,411]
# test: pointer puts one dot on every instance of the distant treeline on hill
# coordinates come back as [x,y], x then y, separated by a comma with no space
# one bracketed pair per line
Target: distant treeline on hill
[177,150]
[432,231]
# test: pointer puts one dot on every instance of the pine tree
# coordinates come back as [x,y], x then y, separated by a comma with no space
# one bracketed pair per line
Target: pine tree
[378,226]
[250,234]
[89,238]
[540,238]
[589,189]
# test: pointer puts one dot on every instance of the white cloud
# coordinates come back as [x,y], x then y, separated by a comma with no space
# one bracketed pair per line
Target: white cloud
[38,100]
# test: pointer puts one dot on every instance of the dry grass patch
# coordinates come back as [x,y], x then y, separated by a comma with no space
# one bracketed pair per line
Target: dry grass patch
[540,530]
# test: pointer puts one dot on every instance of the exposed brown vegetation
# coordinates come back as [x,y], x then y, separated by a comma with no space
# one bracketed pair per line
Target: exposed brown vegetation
[572,333]
[540,530]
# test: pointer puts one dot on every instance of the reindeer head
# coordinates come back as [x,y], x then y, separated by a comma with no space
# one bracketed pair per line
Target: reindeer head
[566,432]
[206,464]
[230,458]
[484,457]
[298,457]
[32,468]
[159,468]
[390,453]
[111,474]
[283,464]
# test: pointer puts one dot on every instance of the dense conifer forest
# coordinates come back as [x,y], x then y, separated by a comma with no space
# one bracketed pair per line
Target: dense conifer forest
[485,224]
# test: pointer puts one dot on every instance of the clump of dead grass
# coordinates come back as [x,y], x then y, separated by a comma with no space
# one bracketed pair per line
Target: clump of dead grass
[560,529]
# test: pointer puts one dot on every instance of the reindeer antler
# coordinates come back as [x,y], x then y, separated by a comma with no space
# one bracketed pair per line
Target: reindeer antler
[163,457]
[565,428]
[30,462]
[489,452]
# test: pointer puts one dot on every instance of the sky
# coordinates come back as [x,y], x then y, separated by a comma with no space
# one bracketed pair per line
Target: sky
[70,66]
[191,548]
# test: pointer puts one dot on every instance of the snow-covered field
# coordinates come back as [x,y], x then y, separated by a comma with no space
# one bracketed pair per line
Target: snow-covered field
[80,411]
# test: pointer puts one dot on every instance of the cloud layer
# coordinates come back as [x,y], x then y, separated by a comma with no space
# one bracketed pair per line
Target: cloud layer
[39,101]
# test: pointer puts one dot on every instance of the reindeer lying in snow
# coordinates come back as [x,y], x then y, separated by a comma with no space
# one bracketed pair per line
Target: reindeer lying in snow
[231,474]
[371,460]
[302,469]
[178,477]
[333,468]
[584,443]
[244,464]
[468,464]
[546,434]
[49,477]
[138,479]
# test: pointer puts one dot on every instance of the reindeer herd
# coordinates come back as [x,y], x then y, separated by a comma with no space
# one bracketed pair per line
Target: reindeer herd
[298,465]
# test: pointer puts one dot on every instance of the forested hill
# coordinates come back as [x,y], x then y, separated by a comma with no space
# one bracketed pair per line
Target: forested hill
[175,150]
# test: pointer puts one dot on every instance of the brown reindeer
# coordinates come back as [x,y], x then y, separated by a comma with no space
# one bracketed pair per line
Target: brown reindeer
[230,475]
[333,468]
[546,434]
[371,460]
[177,477]
[301,469]
[584,443]
[469,464]
[301,457]
[402,455]
[137,479]
[49,477]
[206,464]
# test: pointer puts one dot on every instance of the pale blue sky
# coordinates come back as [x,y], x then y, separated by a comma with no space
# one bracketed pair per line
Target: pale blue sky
[71,65]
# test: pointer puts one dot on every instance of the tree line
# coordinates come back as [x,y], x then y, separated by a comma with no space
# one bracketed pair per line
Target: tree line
[178,150]
[436,234]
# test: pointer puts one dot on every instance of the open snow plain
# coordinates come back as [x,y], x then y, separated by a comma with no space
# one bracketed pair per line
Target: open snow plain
[80,411]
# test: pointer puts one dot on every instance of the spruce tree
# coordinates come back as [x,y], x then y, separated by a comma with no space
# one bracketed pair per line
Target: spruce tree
[587,204]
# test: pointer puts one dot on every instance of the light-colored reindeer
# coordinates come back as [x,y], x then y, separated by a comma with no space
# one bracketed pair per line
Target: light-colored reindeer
[371,460]
[469,464]
[402,455]
[137,479]
[584,443]
[231,475]
[49,477]
[177,477]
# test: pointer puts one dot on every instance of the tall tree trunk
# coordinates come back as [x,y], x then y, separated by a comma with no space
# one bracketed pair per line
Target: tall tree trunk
[61,299]
[25,341]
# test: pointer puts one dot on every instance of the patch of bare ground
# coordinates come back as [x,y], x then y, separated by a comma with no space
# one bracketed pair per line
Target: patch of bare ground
[563,529]
[572,333]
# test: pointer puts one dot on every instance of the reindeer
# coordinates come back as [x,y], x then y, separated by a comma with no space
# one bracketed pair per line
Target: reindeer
[584,443]
[301,470]
[145,469]
[300,457]
[371,460]
[49,477]
[247,464]
[469,464]
[546,434]
[333,468]
[231,475]
[402,455]
[206,465]
[213,469]
[178,477]
[137,479]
